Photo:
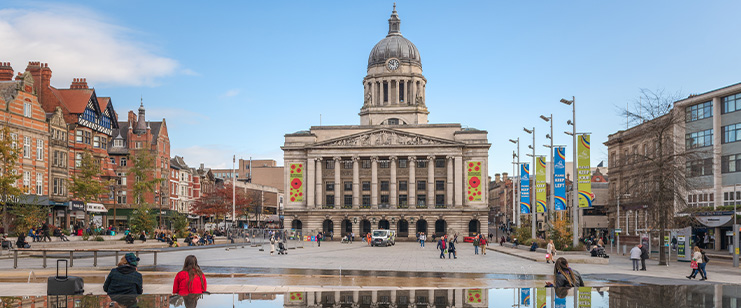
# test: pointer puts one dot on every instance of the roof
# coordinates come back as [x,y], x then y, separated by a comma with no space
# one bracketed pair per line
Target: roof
[178,162]
[103,102]
[75,99]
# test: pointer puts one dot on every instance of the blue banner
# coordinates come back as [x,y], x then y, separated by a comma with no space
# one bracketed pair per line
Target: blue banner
[560,302]
[559,188]
[525,188]
[525,297]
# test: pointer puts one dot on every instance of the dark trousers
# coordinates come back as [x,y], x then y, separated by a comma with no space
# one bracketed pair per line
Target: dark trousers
[643,264]
[442,253]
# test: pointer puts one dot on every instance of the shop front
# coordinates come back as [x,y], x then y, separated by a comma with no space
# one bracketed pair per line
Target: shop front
[76,214]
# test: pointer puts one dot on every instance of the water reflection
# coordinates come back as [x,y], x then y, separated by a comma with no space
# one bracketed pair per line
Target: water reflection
[586,297]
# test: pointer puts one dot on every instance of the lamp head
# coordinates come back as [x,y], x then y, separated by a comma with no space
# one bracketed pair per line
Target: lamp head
[548,136]
[569,133]
[567,102]
[530,147]
[527,130]
[545,118]
[569,122]
[513,141]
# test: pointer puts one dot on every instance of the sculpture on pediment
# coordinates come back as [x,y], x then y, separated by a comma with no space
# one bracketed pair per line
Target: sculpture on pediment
[383,138]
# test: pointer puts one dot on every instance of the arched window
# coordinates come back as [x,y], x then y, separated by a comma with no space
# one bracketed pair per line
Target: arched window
[297,225]
[403,228]
[440,227]
[473,227]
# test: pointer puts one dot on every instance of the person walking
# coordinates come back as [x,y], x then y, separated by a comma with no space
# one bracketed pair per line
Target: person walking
[635,256]
[550,250]
[451,249]
[455,238]
[565,276]
[644,256]
[482,244]
[190,280]
[124,279]
[318,239]
[46,233]
[502,240]
[698,257]
[422,238]
[441,245]
[476,242]
[272,244]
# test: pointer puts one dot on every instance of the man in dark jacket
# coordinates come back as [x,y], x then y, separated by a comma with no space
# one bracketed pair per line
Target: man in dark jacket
[441,245]
[124,279]
[644,256]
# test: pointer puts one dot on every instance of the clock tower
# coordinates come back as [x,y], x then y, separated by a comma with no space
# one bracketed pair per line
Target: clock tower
[394,86]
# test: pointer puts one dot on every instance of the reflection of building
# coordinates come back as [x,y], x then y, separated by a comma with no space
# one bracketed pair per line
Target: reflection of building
[389,298]
[394,170]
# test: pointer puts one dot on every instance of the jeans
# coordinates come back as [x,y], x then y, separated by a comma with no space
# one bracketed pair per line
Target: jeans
[442,253]
[453,253]
[422,243]
[643,264]
[701,269]
[635,264]
[476,249]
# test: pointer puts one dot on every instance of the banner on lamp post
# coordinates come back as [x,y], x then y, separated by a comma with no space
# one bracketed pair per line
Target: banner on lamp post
[540,195]
[525,297]
[559,179]
[525,188]
[540,298]
[584,172]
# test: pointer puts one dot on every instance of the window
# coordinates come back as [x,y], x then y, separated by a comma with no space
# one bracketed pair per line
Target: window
[421,163]
[329,186]
[118,143]
[383,164]
[439,162]
[394,121]
[439,185]
[439,199]
[138,144]
[731,133]
[731,103]
[421,185]
[26,179]
[78,159]
[730,163]
[384,185]
[402,185]
[39,149]
[39,184]
[365,163]
[123,161]
[78,136]
[403,163]
[421,200]
[121,180]
[55,160]
[121,198]
[348,200]
[700,167]
[366,186]
[87,136]
[366,200]
[55,186]
[14,138]
[699,111]
[699,139]
[403,200]
[347,185]
[96,142]
[384,199]
[329,164]
[347,164]
[27,147]
[27,110]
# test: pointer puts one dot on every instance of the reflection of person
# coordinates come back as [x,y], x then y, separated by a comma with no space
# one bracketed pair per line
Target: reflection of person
[124,279]
[190,280]
[191,301]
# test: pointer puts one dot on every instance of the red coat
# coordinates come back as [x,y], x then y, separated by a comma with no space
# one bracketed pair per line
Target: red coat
[181,284]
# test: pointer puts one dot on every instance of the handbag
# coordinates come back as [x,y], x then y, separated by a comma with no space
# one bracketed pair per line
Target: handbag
[693,264]
[547,255]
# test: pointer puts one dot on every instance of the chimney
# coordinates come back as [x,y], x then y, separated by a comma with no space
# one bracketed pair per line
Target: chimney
[496,178]
[42,81]
[505,176]
[79,83]
[6,72]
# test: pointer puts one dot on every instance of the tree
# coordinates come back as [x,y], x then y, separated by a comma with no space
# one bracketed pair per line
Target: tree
[8,176]
[219,203]
[657,178]
[179,224]
[27,216]
[86,182]
[145,181]
[143,218]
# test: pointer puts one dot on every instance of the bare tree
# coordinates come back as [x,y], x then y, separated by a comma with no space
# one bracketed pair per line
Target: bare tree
[656,170]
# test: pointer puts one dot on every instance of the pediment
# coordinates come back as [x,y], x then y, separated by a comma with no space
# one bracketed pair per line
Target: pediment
[385,137]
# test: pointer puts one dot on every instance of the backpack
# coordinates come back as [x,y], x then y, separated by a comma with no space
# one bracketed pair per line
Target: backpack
[705,258]
[476,242]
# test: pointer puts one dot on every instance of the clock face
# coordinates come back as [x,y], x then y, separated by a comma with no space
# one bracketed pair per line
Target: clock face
[393,64]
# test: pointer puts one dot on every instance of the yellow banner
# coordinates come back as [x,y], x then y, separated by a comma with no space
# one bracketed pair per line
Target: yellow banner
[296,296]
[584,171]
[297,183]
[474,181]
[474,296]
[540,298]
[540,195]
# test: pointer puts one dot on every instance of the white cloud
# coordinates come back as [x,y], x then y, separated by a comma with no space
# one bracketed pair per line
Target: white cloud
[78,42]
[231,93]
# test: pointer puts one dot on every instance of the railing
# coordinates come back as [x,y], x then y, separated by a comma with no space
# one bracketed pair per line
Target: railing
[406,206]
[365,206]
[347,206]
[327,206]
[441,206]
[422,206]
[72,254]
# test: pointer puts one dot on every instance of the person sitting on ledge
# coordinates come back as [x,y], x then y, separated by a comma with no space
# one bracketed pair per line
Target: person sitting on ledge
[534,246]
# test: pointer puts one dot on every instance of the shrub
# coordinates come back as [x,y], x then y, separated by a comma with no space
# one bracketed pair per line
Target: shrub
[99,238]
[66,232]
[560,233]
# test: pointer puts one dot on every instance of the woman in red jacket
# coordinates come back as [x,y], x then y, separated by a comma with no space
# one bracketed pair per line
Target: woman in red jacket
[191,279]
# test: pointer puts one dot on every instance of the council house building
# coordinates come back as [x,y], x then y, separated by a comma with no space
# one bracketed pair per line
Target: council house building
[393,171]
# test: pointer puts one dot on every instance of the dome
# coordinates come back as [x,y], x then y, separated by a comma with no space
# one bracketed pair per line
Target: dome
[394,45]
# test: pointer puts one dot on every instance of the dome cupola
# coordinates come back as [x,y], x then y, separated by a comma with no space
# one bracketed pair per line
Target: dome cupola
[394,45]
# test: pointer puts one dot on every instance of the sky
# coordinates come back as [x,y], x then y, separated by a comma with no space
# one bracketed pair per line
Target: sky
[232,77]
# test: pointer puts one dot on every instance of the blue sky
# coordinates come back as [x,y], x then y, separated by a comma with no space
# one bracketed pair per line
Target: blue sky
[232,77]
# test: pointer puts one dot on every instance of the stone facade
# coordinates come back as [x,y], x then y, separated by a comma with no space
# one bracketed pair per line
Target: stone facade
[394,170]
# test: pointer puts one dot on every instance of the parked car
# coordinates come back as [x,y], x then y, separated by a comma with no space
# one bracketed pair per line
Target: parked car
[383,238]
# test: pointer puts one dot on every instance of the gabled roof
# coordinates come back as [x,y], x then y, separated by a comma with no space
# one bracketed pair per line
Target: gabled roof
[178,162]
[76,99]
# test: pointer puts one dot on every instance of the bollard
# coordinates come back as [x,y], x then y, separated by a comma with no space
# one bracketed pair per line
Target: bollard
[95,258]
[155,258]
[44,257]
[115,262]
[71,258]
[15,258]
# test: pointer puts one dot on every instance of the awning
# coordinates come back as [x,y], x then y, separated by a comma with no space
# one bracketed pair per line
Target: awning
[96,208]
[193,216]
[715,221]
[272,218]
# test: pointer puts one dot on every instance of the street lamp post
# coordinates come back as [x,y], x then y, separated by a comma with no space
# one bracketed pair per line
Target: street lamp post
[617,220]
[533,209]
[515,214]
[551,204]
[574,181]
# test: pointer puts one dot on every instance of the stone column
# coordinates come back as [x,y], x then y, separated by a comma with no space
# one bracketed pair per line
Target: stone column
[717,153]
[396,92]
[459,182]
[449,182]
[319,183]
[374,182]
[310,177]
[337,180]
[355,182]
[392,184]
[412,185]
[431,181]
[413,89]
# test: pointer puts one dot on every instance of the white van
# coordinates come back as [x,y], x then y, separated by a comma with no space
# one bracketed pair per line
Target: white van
[383,238]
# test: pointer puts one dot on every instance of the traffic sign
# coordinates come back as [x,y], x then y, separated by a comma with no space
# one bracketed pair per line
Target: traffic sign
[618,230]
